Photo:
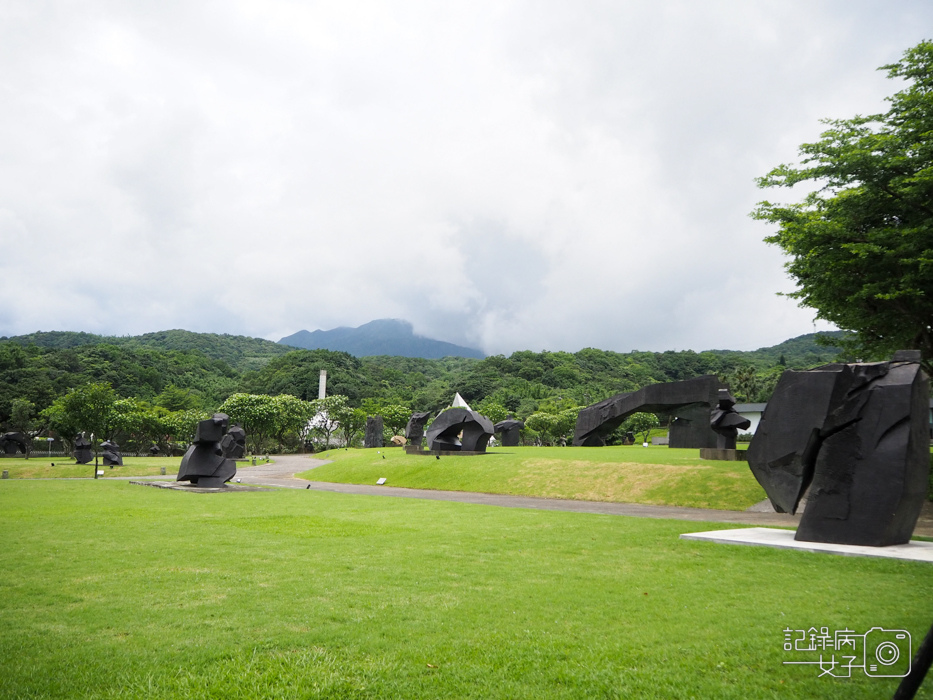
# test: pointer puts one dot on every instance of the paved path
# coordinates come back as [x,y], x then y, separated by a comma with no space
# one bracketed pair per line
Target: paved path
[281,473]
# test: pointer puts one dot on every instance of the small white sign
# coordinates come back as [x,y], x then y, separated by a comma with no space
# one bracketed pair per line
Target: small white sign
[100,472]
[644,444]
[381,481]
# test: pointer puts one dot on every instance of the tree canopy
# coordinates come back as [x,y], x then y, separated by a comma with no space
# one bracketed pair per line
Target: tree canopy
[861,244]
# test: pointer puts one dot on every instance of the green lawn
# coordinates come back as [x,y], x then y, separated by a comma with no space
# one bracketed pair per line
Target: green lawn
[627,474]
[38,466]
[109,590]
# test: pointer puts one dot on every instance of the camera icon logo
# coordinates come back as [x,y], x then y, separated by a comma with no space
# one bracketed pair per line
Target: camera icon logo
[887,653]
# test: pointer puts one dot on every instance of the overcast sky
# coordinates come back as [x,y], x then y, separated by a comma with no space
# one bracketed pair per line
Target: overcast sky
[507,175]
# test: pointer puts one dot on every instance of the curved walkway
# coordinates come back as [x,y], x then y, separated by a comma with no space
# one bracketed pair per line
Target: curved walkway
[281,474]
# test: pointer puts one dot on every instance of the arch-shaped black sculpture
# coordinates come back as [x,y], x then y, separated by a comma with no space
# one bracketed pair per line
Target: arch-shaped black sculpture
[476,429]
[690,401]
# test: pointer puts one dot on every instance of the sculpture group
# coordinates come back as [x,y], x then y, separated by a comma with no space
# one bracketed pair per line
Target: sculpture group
[856,435]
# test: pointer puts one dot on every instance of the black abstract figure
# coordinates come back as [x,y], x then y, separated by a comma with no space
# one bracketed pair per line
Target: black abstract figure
[857,435]
[208,463]
[83,453]
[111,453]
[473,429]
[414,431]
[374,432]
[509,430]
[11,443]
[726,422]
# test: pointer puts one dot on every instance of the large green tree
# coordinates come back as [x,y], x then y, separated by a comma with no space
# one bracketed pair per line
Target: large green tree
[87,409]
[258,414]
[861,243]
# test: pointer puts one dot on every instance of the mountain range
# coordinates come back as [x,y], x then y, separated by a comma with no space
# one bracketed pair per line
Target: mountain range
[387,336]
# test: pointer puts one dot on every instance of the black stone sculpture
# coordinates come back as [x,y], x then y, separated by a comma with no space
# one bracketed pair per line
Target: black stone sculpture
[374,432]
[510,430]
[208,463]
[690,401]
[111,454]
[11,443]
[476,430]
[83,454]
[856,435]
[234,443]
[726,421]
[414,431]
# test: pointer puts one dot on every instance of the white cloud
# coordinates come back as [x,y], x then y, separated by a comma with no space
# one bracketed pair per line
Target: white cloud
[514,175]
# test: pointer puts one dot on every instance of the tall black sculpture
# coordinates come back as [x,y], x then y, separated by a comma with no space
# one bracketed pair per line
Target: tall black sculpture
[374,432]
[10,443]
[726,421]
[414,431]
[208,463]
[690,401]
[111,454]
[476,430]
[858,436]
[83,453]
[510,431]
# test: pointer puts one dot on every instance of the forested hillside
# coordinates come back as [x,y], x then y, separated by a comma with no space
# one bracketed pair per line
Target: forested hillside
[206,368]
[239,351]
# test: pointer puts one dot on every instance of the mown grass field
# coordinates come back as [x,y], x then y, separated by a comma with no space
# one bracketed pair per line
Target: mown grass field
[627,474]
[39,466]
[109,590]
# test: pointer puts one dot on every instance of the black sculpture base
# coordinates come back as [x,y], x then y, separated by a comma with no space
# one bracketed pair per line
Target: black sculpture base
[723,455]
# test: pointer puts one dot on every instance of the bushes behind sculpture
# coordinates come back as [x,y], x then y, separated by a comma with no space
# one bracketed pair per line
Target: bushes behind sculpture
[208,463]
[858,436]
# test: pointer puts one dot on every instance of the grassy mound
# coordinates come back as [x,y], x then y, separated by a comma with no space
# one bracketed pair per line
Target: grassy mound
[626,474]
